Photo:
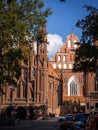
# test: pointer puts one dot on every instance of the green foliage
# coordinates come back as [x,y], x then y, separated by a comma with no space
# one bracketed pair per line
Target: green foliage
[87,53]
[67,102]
[20,21]
[86,58]
[89,24]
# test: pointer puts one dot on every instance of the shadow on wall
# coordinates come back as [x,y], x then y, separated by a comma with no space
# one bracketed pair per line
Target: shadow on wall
[23,112]
[20,113]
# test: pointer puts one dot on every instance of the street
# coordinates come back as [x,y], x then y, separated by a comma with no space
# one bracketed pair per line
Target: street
[50,124]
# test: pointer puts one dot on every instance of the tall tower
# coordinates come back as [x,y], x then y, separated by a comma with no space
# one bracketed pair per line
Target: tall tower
[41,68]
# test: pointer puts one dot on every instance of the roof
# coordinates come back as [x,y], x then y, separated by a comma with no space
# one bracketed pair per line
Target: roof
[72,35]
[52,72]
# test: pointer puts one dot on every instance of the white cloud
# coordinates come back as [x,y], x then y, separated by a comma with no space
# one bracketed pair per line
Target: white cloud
[55,43]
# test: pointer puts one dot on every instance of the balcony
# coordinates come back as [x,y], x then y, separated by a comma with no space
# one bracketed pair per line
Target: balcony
[94,95]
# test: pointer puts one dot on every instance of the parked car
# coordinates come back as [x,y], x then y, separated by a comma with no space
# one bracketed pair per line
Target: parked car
[94,112]
[79,120]
[67,123]
[92,122]
[61,118]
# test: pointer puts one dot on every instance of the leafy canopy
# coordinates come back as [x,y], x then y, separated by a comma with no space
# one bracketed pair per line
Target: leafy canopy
[87,54]
[89,25]
[86,58]
[19,24]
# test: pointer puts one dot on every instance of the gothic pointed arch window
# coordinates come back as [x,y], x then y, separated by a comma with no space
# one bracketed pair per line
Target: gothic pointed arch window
[54,66]
[24,91]
[73,86]
[59,66]
[18,91]
[59,58]
[65,66]
[69,43]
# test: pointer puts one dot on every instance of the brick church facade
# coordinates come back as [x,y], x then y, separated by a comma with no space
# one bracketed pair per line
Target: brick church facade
[38,89]
[73,87]
[44,85]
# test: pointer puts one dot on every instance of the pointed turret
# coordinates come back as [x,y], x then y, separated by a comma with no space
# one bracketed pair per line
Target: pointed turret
[42,66]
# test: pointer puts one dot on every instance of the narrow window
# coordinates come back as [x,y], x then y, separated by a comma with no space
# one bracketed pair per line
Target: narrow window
[59,58]
[59,66]
[69,44]
[64,58]
[65,66]
[70,66]
[54,66]
[73,87]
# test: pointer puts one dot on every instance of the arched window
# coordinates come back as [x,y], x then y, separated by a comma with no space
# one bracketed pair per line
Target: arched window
[73,86]
[69,44]
[18,91]
[70,66]
[59,66]
[64,58]
[24,91]
[64,66]
[75,45]
[59,58]
[33,72]
[54,66]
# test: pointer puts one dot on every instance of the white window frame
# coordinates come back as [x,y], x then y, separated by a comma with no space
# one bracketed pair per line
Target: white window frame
[70,66]
[64,58]
[54,66]
[73,87]
[65,66]
[59,58]
[59,66]
[75,45]
[69,44]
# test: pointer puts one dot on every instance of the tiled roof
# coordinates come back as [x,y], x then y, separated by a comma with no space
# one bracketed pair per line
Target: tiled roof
[51,71]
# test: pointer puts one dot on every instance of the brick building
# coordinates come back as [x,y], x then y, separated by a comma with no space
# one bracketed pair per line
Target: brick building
[72,83]
[73,87]
[44,85]
[38,90]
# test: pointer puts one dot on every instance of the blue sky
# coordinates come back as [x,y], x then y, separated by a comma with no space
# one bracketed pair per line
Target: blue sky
[62,22]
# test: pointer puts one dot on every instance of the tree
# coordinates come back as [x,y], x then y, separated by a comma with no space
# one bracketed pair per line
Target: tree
[19,24]
[87,53]
[86,58]
[85,61]
[89,25]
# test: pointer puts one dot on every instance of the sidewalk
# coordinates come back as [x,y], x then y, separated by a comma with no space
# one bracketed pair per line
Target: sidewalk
[23,123]
[19,124]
